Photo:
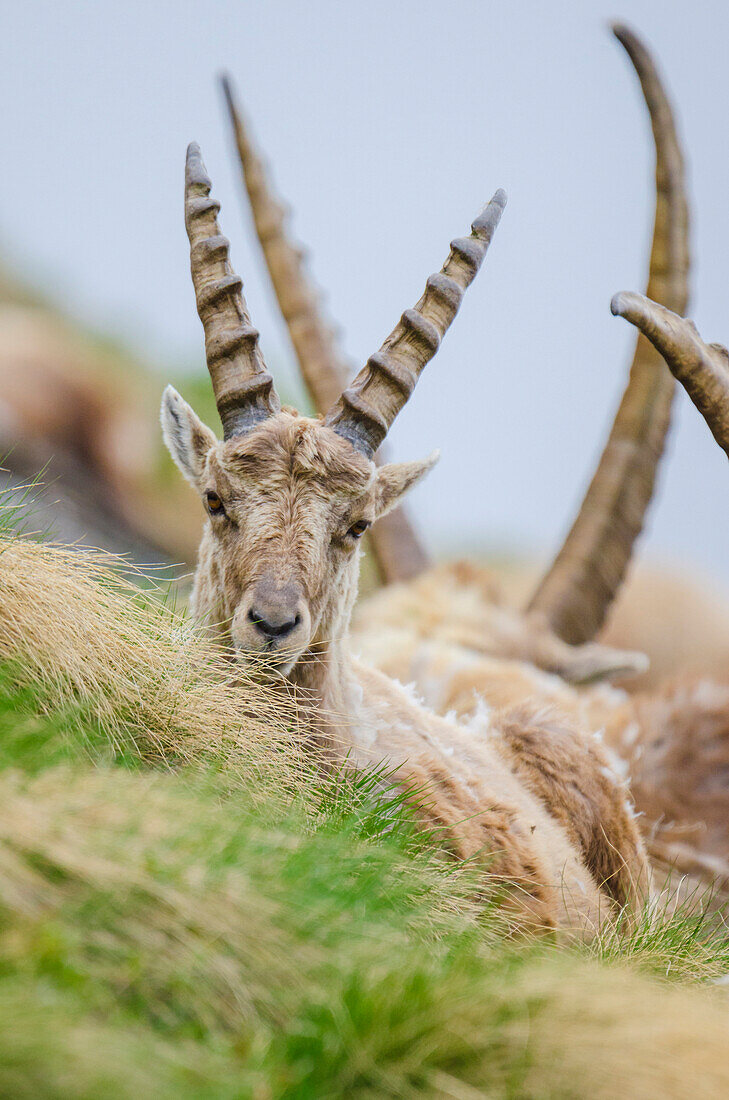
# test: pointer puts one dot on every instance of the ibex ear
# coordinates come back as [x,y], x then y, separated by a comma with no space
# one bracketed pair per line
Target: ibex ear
[188,439]
[395,479]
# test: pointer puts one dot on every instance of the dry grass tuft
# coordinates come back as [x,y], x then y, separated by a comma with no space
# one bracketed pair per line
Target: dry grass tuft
[90,642]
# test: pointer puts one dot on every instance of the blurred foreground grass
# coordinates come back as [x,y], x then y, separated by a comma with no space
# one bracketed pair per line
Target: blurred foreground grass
[188,908]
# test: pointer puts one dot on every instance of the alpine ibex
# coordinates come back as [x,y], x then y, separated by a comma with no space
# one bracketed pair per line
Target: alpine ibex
[288,499]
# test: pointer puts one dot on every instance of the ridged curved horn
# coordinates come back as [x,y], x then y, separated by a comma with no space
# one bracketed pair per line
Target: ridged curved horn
[701,368]
[397,550]
[366,410]
[576,592]
[244,390]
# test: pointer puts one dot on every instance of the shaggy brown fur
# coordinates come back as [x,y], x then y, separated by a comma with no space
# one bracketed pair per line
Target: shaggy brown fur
[587,801]
[288,500]
[679,768]
[672,743]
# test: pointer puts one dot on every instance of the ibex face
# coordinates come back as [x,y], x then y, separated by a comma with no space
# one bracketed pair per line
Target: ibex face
[286,504]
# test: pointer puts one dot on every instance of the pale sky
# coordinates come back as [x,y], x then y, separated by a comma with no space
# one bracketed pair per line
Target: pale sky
[387,125]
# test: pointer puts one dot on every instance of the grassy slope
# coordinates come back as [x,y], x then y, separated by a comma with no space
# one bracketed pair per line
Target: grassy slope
[186,911]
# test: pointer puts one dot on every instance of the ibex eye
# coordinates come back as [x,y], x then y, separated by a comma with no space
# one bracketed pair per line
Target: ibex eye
[357,530]
[215,504]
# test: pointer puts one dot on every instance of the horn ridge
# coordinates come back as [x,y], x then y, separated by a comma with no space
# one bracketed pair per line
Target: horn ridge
[366,409]
[244,390]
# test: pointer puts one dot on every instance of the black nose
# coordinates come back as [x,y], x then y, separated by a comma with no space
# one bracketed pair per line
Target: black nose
[273,625]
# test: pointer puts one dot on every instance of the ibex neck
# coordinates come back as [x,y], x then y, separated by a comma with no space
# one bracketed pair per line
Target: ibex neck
[326,681]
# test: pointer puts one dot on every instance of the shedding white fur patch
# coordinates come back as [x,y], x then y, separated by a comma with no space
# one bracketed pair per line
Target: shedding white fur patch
[433,684]
[616,770]
[631,810]
[709,694]
[412,693]
[606,693]
[480,720]
[630,734]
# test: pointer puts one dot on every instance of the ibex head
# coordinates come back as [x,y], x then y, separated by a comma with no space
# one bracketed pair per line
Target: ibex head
[288,497]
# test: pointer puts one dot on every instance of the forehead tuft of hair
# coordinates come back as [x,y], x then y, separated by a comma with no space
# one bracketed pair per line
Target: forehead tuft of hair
[299,445]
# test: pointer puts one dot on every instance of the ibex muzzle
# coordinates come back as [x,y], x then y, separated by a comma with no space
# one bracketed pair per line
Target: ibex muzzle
[273,614]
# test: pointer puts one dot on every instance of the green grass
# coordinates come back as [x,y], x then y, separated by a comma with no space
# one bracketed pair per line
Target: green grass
[202,914]
[224,950]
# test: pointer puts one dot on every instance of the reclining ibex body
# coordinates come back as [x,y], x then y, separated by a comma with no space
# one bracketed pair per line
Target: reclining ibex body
[287,500]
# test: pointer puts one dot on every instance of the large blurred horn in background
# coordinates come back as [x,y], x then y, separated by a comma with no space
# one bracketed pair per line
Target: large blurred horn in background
[576,592]
[398,551]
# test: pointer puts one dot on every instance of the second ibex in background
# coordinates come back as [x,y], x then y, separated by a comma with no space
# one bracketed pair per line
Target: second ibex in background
[572,600]
[446,629]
